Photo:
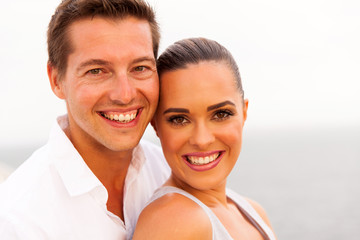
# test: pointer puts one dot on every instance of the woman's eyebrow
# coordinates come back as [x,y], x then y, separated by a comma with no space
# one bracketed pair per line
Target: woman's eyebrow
[218,105]
[177,110]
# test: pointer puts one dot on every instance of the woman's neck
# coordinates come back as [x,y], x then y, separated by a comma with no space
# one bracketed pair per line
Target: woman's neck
[211,197]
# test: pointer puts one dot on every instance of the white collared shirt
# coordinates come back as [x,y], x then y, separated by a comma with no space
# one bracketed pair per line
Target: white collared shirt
[54,195]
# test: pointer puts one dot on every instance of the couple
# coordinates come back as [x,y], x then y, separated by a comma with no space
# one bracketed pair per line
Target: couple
[95,177]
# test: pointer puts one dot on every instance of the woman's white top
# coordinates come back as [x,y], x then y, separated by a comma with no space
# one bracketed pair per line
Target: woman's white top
[219,231]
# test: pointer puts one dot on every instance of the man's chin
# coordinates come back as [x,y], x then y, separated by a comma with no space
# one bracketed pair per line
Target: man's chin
[122,144]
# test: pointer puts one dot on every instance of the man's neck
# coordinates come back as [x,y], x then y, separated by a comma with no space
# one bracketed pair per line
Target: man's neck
[108,166]
[111,170]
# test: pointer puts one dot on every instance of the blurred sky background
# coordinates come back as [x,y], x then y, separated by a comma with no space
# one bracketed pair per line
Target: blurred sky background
[299,60]
[300,65]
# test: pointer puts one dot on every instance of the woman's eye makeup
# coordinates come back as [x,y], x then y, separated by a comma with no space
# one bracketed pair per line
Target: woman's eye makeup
[177,120]
[222,114]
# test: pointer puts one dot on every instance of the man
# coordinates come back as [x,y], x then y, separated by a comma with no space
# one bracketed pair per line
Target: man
[91,180]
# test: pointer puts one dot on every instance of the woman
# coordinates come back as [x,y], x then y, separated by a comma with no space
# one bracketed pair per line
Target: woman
[199,121]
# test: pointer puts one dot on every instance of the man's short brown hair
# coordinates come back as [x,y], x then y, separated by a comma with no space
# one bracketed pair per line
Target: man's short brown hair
[69,11]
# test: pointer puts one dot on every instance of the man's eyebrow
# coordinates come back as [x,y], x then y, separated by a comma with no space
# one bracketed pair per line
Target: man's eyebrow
[144,59]
[177,110]
[92,62]
[218,105]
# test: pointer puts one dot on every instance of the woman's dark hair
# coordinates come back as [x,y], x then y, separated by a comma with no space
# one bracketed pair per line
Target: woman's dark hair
[193,51]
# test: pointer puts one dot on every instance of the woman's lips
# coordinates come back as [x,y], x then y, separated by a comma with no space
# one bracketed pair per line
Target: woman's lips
[203,161]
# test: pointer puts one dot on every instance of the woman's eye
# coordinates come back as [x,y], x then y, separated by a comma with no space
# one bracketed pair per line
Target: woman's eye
[178,120]
[222,115]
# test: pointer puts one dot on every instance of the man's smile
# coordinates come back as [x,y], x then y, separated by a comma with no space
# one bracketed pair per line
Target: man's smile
[123,117]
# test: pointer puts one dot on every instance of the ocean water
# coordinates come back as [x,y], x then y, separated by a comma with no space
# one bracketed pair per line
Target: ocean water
[307,180]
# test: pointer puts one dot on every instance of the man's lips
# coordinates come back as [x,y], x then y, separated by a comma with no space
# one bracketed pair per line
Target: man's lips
[121,117]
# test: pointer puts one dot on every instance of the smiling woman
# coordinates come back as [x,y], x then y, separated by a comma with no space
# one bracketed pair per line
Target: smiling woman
[210,122]
[199,121]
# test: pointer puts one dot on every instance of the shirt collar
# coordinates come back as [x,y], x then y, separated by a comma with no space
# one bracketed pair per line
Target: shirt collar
[138,158]
[75,174]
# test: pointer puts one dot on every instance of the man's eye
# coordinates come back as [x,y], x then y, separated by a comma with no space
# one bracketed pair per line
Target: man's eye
[140,68]
[95,71]
[142,72]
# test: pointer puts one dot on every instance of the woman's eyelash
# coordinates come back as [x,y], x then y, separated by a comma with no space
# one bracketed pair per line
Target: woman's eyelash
[219,115]
[222,114]
[177,120]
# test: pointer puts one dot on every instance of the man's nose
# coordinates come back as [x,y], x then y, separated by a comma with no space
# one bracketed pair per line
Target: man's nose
[122,90]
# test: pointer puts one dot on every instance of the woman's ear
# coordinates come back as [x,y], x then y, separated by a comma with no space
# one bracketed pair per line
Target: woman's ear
[245,108]
[153,124]
[56,85]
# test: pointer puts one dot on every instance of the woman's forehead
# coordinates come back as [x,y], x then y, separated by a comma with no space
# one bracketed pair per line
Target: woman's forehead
[204,82]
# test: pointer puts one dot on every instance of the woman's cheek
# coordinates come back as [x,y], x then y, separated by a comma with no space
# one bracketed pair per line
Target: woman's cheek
[231,133]
[172,140]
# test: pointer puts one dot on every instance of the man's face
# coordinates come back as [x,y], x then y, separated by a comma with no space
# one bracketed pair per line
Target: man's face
[111,84]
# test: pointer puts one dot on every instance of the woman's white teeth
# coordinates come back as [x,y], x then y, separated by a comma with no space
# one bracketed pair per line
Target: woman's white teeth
[202,160]
[124,118]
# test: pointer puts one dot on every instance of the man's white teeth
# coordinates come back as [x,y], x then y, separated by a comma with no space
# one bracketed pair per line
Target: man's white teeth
[202,160]
[123,118]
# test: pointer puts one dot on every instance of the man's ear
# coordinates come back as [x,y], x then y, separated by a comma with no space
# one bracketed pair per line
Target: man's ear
[153,124]
[56,85]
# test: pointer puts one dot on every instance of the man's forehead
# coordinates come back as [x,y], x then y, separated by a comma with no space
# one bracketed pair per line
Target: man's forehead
[100,21]
[99,39]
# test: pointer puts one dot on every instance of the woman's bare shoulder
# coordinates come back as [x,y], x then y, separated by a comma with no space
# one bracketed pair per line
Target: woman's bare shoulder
[260,210]
[173,216]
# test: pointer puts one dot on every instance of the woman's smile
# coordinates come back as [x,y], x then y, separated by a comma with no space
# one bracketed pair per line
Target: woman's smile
[201,134]
[202,161]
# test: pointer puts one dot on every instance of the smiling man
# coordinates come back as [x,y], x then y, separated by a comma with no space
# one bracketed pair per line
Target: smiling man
[93,177]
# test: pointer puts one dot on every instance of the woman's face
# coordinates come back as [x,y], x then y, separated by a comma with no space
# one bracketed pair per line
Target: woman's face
[199,121]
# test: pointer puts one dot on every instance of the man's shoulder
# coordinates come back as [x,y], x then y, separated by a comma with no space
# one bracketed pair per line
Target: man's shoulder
[24,181]
[31,199]
[29,179]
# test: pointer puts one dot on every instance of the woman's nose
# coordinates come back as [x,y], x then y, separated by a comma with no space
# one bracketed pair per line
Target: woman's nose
[202,136]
